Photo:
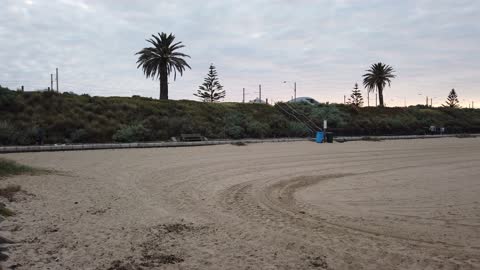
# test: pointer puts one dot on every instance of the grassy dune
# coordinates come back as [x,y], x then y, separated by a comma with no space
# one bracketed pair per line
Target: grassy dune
[70,118]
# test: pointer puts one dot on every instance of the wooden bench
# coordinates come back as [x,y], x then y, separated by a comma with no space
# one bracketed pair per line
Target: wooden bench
[191,137]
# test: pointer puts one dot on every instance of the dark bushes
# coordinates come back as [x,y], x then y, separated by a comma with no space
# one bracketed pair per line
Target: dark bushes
[133,133]
[70,118]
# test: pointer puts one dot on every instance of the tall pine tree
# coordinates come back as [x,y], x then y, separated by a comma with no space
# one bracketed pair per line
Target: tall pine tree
[356,97]
[211,90]
[452,100]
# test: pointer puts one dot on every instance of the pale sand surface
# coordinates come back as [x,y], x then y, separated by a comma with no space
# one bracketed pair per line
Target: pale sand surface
[409,204]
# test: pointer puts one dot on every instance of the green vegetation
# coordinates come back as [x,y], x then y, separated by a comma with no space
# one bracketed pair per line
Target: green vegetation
[356,98]
[8,167]
[452,100]
[4,211]
[377,78]
[211,90]
[70,118]
[162,59]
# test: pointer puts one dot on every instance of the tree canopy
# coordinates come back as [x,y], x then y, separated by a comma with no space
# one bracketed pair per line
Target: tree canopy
[377,77]
[211,90]
[160,60]
[452,100]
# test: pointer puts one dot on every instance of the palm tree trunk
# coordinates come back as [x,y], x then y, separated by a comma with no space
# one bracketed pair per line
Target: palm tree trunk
[380,96]
[163,83]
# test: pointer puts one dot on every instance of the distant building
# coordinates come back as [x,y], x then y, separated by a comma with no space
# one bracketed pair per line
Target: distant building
[307,100]
[257,100]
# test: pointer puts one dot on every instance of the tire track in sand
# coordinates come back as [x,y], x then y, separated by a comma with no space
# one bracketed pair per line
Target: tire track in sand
[272,204]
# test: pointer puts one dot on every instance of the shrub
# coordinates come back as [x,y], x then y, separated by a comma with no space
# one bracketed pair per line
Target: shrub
[296,129]
[133,133]
[11,135]
[8,167]
[79,135]
[7,133]
[234,132]
[256,129]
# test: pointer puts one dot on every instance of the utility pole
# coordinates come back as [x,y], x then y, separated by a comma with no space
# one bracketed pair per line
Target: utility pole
[260,93]
[51,81]
[427,101]
[344,99]
[57,78]
[243,95]
[431,102]
[295,89]
[368,98]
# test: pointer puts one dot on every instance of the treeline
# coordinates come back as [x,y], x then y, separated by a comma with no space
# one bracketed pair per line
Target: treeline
[27,117]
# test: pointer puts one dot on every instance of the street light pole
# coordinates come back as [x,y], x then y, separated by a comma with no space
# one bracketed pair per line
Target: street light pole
[260,93]
[294,88]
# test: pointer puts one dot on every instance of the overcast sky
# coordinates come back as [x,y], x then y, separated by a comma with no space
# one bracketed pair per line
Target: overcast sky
[325,46]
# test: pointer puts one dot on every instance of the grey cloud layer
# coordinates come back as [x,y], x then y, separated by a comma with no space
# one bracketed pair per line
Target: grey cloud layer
[324,45]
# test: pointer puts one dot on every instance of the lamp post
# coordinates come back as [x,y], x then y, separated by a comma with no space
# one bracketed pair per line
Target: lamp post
[294,89]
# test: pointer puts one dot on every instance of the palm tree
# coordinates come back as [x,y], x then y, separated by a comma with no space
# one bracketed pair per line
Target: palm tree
[161,59]
[377,78]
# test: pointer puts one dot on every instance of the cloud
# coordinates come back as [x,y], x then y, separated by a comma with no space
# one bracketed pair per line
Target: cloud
[323,45]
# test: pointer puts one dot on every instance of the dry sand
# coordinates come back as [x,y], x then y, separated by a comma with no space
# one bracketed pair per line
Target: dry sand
[410,204]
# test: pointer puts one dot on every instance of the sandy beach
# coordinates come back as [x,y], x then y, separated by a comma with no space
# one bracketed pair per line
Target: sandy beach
[406,204]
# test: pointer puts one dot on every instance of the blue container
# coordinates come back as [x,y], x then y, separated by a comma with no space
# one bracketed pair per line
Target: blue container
[319,137]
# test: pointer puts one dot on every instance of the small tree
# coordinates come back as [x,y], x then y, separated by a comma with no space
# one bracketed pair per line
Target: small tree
[452,100]
[356,98]
[211,90]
